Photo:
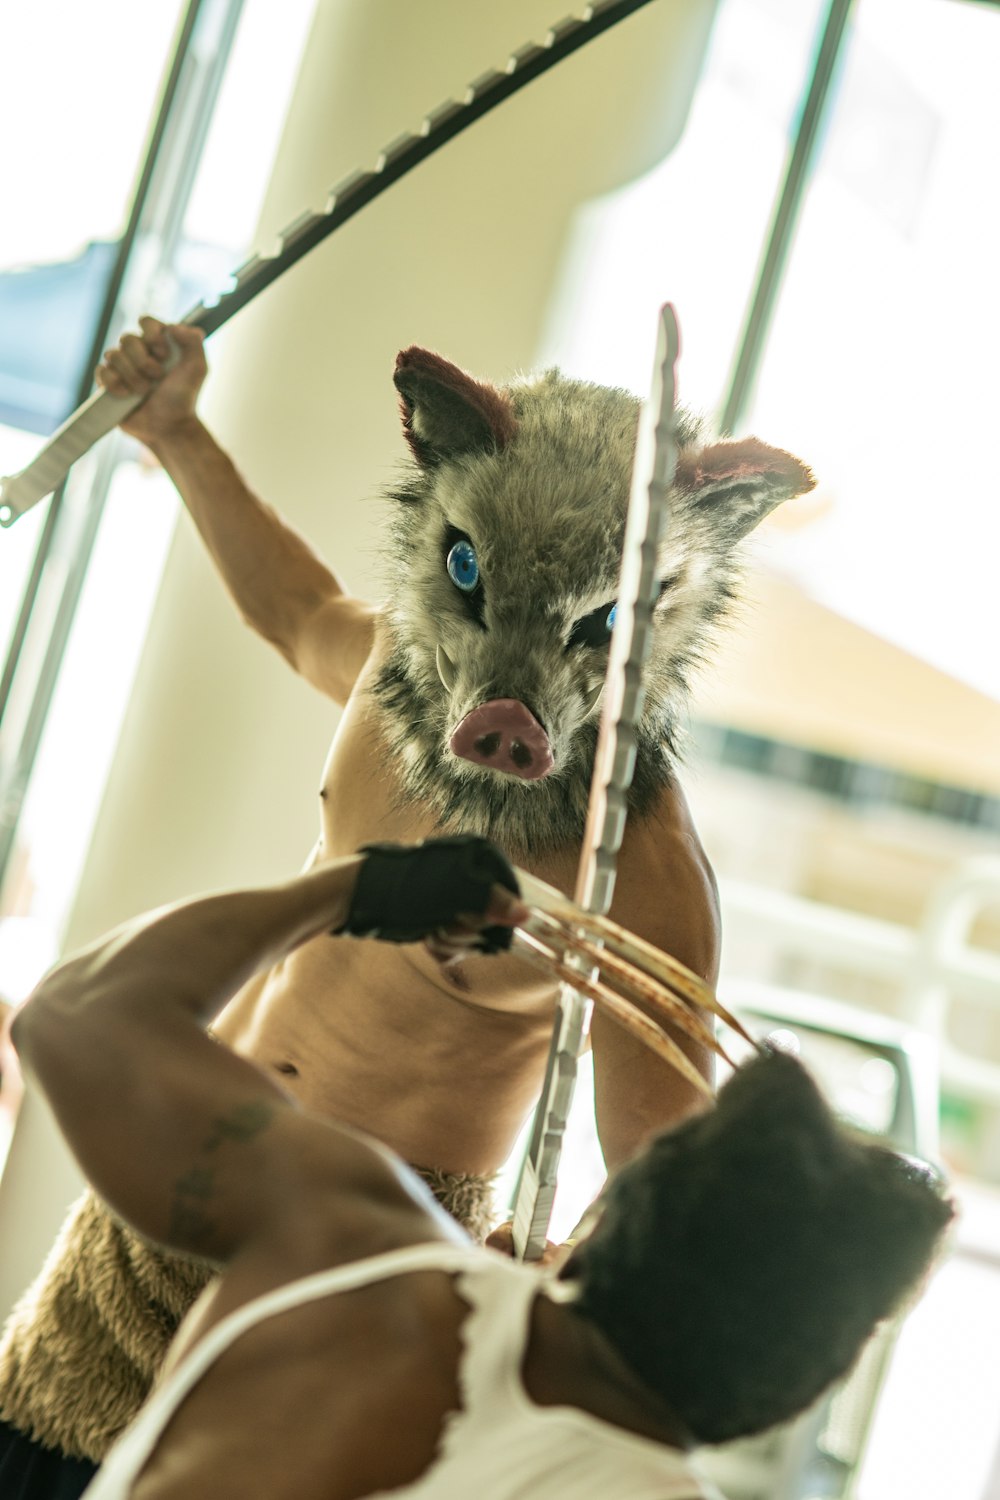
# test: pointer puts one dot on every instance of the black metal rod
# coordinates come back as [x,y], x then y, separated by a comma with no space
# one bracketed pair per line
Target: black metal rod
[785,218]
[88,424]
[483,96]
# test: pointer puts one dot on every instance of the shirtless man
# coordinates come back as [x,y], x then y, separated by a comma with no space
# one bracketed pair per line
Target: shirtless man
[735,1270]
[491,1028]
[441,1065]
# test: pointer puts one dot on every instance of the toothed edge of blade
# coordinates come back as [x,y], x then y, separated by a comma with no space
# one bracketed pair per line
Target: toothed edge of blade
[614,761]
[440,116]
[563,29]
[525,54]
[483,84]
[347,186]
[248,269]
[623,763]
[298,227]
[289,238]
[395,150]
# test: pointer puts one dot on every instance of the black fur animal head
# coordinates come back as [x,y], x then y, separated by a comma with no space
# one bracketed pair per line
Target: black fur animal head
[742,1261]
[505,554]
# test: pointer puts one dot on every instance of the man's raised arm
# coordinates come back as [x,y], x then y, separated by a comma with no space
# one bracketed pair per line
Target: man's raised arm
[281,586]
[189,1142]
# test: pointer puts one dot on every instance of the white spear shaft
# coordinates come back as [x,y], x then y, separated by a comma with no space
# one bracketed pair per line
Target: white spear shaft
[614,764]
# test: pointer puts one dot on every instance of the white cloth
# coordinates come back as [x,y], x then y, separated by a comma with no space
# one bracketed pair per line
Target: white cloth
[499,1445]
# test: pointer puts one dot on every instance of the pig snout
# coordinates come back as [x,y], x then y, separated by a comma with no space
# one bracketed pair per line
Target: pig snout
[504,735]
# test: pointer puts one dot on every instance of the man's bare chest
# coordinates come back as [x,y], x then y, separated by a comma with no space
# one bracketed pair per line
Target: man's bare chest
[374,1035]
[362,798]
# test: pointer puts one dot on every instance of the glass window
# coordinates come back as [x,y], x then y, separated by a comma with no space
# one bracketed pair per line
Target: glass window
[44,250]
[690,232]
[64,204]
[880,369]
[881,365]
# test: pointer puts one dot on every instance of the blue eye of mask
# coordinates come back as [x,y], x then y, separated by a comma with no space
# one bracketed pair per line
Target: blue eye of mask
[593,629]
[463,566]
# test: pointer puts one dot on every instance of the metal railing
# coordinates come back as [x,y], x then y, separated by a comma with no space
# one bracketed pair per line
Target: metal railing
[934,964]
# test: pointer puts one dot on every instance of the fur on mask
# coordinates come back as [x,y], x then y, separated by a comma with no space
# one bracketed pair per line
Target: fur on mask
[536,475]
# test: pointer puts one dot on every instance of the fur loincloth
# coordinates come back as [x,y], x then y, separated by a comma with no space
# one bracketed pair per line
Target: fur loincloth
[468,1197]
[83,1345]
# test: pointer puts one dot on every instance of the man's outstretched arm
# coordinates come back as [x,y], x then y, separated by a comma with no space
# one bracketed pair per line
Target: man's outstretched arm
[281,586]
[189,1142]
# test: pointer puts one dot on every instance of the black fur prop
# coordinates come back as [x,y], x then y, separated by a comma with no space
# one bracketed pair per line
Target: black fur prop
[770,1242]
[404,892]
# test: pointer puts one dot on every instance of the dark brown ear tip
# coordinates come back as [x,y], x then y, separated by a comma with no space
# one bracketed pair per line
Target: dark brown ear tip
[799,474]
[416,358]
[457,412]
[407,360]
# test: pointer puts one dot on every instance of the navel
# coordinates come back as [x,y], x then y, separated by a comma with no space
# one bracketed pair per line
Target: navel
[458,978]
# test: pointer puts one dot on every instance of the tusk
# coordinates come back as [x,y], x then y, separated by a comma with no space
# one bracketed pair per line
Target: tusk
[446,668]
[590,700]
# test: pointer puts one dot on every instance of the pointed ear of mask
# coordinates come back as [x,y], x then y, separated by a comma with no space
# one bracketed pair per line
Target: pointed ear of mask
[741,482]
[446,412]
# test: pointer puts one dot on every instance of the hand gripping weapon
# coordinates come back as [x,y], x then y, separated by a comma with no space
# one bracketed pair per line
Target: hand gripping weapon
[102,412]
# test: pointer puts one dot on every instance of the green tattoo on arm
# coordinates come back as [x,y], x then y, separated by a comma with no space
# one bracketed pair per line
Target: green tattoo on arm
[242,1124]
[191,1224]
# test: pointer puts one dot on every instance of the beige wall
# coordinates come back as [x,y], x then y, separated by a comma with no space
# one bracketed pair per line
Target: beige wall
[216,774]
[795,670]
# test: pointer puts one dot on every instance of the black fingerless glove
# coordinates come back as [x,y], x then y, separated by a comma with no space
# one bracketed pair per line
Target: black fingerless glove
[405,892]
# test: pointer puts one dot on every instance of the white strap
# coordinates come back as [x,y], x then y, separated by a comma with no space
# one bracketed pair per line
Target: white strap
[132,1450]
[345,1278]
